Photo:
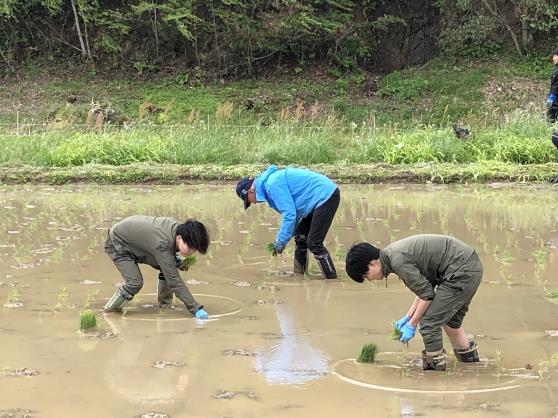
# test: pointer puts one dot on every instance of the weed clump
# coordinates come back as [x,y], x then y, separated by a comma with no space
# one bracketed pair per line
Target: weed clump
[368,353]
[395,334]
[87,321]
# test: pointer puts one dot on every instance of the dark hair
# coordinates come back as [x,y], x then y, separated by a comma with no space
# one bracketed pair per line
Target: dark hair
[194,234]
[358,258]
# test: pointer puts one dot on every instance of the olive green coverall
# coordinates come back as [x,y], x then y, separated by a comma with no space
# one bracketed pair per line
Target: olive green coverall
[147,240]
[439,268]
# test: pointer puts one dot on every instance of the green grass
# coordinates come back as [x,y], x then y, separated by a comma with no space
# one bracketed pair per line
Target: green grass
[524,140]
[400,119]
[87,321]
[368,353]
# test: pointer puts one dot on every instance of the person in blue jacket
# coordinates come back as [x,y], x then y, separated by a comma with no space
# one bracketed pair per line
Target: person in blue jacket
[307,202]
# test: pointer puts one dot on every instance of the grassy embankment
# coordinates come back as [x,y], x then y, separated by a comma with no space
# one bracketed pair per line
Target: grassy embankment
[355,129]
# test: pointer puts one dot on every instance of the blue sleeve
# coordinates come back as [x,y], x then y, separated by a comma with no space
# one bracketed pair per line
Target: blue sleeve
[285,205]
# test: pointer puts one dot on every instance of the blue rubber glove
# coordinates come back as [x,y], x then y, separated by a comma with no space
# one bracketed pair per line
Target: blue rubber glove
[407,332]
[550,99]
[201,314]
[399,324]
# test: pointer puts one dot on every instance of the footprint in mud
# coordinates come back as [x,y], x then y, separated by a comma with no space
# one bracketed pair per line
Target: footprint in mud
[154,415]
[13,305]
[225,395]
[90,282]
[163,364]
[21,372]
[100,334]
[240,352]
[242,284]
[16,413]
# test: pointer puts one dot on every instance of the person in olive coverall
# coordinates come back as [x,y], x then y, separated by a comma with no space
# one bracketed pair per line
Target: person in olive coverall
[154,241]
[444,274]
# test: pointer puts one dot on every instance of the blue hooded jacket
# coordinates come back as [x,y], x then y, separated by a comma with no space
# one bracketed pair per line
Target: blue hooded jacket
[294,193]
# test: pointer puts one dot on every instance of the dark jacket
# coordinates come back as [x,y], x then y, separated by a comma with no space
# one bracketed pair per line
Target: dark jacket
[554,83]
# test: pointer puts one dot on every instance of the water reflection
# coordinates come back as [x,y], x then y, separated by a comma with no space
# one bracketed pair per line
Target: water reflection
[293,360]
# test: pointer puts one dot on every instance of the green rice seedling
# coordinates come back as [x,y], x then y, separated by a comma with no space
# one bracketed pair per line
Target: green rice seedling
[368,353]
[395,334]
[87,321]
[90,297]
[499,364]
[552,294]
[62,298]
[13,297]
[188,262]
[270,247]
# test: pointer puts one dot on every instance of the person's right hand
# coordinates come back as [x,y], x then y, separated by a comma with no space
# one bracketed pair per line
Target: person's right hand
[201,314]
[399,324]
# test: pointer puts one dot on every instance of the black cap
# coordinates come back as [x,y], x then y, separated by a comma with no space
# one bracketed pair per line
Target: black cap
[242,188]
[358,258]
[555,52]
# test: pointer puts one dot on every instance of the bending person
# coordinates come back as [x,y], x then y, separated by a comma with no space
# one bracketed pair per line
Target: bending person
[444,274]
[154,241]
[307,202]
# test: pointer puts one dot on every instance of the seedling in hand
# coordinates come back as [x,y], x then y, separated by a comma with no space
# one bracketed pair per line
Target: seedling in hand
[395,334]
[188,262]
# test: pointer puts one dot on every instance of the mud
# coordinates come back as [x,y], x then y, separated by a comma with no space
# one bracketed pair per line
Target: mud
[275,343]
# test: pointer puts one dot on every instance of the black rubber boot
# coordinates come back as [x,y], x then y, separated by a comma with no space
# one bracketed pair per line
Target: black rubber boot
[326,265]
[434,362]
[301,260]
[469,355]
[164,293]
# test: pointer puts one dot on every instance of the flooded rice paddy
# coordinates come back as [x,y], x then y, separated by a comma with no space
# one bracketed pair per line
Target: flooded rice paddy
[275,345]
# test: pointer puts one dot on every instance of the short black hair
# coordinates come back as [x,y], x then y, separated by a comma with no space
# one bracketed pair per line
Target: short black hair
[194,234]
[358,258]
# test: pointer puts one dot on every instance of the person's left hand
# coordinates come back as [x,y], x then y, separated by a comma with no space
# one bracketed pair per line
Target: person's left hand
[178,260]
[277,249]
[201,314]
[407,332]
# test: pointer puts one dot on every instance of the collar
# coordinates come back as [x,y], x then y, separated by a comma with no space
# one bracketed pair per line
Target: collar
[386,264]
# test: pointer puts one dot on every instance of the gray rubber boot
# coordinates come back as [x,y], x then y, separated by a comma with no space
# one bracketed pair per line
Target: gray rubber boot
[301,261]
[469,355]
[326,265]
[164,293]
[434,362]
[118,301]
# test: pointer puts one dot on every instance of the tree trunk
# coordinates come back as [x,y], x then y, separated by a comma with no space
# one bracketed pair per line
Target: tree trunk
[78,28]
[503,21]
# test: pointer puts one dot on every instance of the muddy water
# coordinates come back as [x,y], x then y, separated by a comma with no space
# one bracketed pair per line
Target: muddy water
[276,345]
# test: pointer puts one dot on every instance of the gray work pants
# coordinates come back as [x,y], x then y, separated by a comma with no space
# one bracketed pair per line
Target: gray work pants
[127,266]
[451,303]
